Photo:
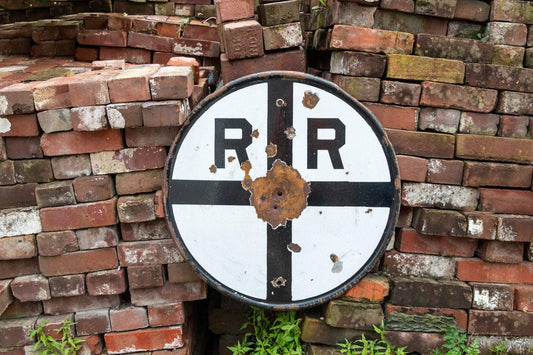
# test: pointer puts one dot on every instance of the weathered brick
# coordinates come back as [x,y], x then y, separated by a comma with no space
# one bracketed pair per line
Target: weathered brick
[110,65]
[494,148]
[513,34]
[22,247]
[93,322]
[515,103]
[492,297]
[523,298]
[472,10]
[145,340]
[52,94]
[372,288]
[199,29]
[458,97]
[479,123]
[95,214]
[166,314]
[400,93]
[19,309]
[3,154]
[515,228]
[129,159]
[33,170]
[478,270]
[242,39]
[501,323]
[88,118]
[131,84]
[55,120]
[78,262]
[410,67]
[137,208]
[51,325]
[149,42]
[130,55]
[420,342]
[150,136]
[315,330]
[506,201]
[371,40]
[16,332]
[73,166]
[17,99]
[23,147]
[169,293]
[95,238]
[357,64]
[21,221]
[54,194]
[282,36]
[467,50]
[128,318]
[56,243]
[424,144]
[440,196]
[436,8]
[172,83]
[419,292]
[422,319]
[355,315]
[19,126]
[496,174]
[164,113]
[124,115]
[349,13]
[139,182]
[499,77]
[419,265]
[195,47]
[93,188]
[67,286]
[271,14]
[528,58]
[412,168]
[102,38]
[495,251]
[86,54]
[181,272]
[397,21]
[410,241]
[508,55]
[228,10]
[293,60]
[66,143]
[481,225]
[440,120]
[108,282]
[364,89]
[89,89]
[154,252]
[145,276]
[17,195]
[7,173]
[512,11]
[445,171]
[514,126]
[151,230]
[30,288]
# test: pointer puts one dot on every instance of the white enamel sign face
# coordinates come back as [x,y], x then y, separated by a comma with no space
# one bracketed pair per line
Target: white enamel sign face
[331,192]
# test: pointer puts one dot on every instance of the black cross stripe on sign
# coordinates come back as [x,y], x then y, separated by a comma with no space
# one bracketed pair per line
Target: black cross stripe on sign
[333,193]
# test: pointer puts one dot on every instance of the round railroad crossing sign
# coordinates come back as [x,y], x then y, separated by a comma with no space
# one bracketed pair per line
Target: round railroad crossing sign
[283,191]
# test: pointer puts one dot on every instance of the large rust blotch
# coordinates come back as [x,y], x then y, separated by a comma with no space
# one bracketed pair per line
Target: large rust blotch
[280,195]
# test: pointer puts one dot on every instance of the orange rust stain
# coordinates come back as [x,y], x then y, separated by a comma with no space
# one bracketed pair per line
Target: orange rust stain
[230,159]
[247,181]
[213,168]
[280,195]
[271,150]
[310,100]
[255,133]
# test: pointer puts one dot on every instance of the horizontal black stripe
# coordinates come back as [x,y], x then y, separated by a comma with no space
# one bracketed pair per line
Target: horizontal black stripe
[231,193]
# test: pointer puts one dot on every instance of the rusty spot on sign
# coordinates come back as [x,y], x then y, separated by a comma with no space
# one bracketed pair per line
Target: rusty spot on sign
[280,195]
[290,132]
[213,168]
[255,133]
[294,247]
[247,181]
[271,150]
[278,282]
[230,159]
[334,257]
[310,99]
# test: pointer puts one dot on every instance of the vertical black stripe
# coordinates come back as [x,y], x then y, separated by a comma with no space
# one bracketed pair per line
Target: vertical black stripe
[279,259]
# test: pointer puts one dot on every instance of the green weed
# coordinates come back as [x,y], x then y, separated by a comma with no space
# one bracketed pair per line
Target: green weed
[46,345]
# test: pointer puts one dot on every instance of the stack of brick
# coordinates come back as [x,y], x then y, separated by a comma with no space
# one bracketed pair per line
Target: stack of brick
[82,234]
[272,41]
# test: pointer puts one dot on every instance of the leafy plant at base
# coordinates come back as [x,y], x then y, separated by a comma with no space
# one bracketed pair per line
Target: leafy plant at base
[500,348]
[45,344]
[457,344]
[273,333]
[366,346]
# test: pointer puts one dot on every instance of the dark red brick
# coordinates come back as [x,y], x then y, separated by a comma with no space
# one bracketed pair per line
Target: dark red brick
[17,195]
[139,182]
[108,282]
[523,298]
[23,147]
[164,113]
[494,251]
[150,136]
[357,64]
[499,77]
[514,126]
[145,276]
[496,174]
[169,293]
[18,267]
[200,30]
[130,55]
[124,115]
[506,201]
[494,148]
[93,188]
[400,93]
[59,193]
[405,217]
[128,318]
[19,309]
[472,10]
[95,214]
[30,288]
[228,10]
[154,252]
[92,322]
[86,54]
[501,323]
[467,50]
[78,262]
[445,171]
[478,270]
[56,243]
[150,42]
[479,123]
[412,168]
[65,143]
[119,22]
[102,38]
[151,230]
[439,222]
[67,286]
[515,228]
[425,144]
[166,314]
[16,332]
[458,97]
[181,272]
[33,170]
[410,241]
[395,117]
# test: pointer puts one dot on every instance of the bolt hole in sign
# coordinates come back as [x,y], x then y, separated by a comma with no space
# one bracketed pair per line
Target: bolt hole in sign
[283,191]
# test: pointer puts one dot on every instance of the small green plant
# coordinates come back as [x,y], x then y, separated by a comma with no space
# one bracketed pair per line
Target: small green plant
[366,346]
[46,345]
[273,333]
[456,343]
[500,348]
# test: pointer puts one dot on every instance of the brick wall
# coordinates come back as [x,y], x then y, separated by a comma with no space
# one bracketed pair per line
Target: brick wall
[82,146]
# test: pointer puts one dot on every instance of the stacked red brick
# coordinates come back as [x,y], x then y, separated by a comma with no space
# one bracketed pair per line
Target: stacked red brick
[270,42]
[82,234]
[447,82]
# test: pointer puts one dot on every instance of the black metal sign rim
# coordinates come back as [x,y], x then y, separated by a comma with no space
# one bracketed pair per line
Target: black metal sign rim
[328,86]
